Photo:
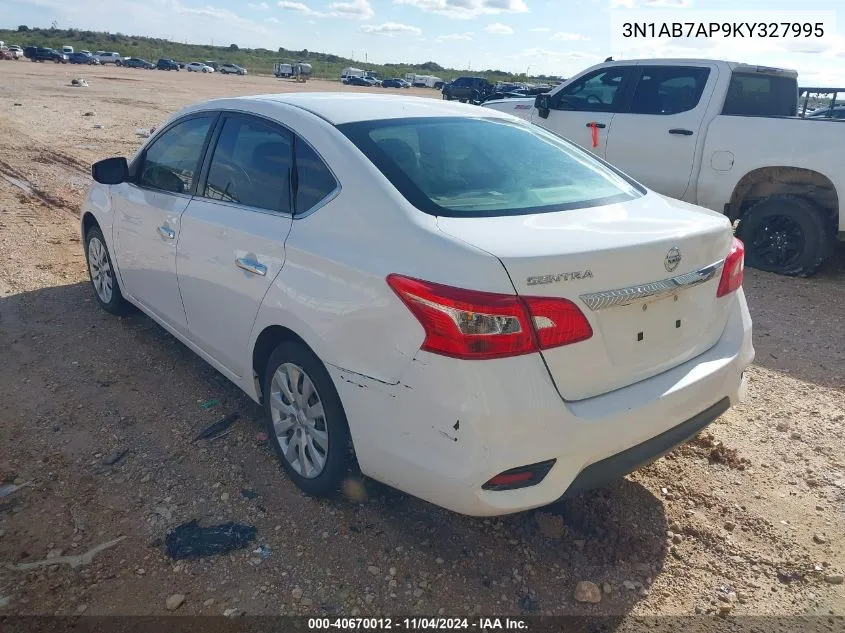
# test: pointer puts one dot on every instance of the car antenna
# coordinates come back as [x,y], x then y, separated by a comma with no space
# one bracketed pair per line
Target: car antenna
[609,59]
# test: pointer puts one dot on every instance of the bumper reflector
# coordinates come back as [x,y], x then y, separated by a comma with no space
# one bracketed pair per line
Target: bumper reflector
[521,477]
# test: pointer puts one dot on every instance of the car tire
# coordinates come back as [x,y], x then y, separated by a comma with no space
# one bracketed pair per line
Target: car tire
[294,360]
[102,275]
[787,235]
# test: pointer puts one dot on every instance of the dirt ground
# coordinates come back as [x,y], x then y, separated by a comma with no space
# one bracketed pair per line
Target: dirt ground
[747,519]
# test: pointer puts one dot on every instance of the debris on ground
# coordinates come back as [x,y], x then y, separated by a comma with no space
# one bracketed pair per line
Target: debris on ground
[209,404]
[586,591]
[260,437]
[218,427]
[4,601]
[262,553]
[89,114]
[79,83]
[98,126]
[175,601]
[5,491]
[189,540]
[249,494]
[115,457]
[143,133]
[74,561]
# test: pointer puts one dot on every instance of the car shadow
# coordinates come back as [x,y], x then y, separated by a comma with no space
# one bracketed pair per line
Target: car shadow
[796,326]
[135,381]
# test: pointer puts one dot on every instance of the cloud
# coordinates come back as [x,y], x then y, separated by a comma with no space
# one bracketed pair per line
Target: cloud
[541,29]
[261,6]
[272,20]
[467,37]
[391,28]
[497,28]
[466,9]
[358,9]
[296,6]
[561,36]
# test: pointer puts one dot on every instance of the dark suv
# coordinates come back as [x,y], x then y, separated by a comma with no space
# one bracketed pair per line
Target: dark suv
[465,89]
[38,54]
[167,64]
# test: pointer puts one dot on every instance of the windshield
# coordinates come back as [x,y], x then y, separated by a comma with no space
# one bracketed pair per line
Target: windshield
[464,167]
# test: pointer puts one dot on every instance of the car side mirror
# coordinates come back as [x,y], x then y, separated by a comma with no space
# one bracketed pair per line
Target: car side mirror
[543,103]
[110,171]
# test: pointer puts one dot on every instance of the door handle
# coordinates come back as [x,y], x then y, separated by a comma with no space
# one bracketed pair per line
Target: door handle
[166,232]
[251,266]
[598,125]
[680,131]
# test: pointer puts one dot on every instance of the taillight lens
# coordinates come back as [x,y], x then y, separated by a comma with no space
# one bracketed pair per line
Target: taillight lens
[733,270]
[480,325]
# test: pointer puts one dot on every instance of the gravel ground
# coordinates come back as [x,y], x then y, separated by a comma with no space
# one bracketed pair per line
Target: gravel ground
[746,519]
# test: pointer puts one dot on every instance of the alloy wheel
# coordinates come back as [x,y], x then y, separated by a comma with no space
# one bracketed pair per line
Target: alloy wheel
[101,273]
[779,241]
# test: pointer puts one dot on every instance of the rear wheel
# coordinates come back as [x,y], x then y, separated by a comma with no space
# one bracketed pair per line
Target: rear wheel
[305,420]
[785,234]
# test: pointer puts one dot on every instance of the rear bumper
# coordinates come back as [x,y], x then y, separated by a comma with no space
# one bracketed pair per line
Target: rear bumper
[617,466]
[449,426]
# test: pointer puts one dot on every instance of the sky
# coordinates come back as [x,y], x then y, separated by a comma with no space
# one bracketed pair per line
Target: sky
[553,37]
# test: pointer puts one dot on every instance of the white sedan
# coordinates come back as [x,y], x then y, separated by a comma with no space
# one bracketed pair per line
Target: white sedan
[198,67]
[462,305]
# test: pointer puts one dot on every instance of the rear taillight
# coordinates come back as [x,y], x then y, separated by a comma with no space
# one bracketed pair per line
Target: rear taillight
[480,325]
[733,270]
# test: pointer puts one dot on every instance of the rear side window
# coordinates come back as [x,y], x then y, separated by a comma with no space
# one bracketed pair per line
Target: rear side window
[314,180]
[473,167]
[751,94]
[668,89]
[251,165]
[171,162]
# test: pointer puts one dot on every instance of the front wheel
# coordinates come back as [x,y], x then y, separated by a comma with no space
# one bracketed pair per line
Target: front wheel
[787,235]
[101,272]
[305,420]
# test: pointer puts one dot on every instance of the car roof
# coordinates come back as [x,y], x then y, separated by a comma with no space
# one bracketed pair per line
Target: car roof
[341,107]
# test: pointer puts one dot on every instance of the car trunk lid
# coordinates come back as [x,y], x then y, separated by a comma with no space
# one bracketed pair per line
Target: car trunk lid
[645,273]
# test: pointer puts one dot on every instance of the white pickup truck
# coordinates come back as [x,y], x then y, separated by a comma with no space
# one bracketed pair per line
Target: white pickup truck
[718,134]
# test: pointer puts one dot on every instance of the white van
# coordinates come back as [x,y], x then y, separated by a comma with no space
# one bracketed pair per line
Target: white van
[350,72]
[67,50]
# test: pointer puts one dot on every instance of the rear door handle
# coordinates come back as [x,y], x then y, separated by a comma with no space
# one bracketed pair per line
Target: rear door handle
[598,125]
[251,266]
[166,232]
[680,131]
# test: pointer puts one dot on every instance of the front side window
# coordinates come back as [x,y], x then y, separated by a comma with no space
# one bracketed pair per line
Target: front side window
[251,165]
[474,167]
[669,89]
[596,92]
[171,162]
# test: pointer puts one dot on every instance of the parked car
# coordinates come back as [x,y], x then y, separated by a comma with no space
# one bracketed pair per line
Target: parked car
[67,50]
[109,58]
[82,58]
[6,54]
[359,81]
[836,112]
[17,51]
[198,67]
[167,64]
[465,89]
[214,65]
[37,54]
[232,69]
[721,134]
[137,62]
[395,83]
[493,347]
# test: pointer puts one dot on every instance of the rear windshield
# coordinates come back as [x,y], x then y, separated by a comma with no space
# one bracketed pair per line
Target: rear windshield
[753,94]
[474,167]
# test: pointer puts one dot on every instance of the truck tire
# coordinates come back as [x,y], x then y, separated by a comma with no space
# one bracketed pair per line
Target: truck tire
[787,235]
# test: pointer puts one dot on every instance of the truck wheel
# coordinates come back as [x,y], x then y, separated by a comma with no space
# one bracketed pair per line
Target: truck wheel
[787,235]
